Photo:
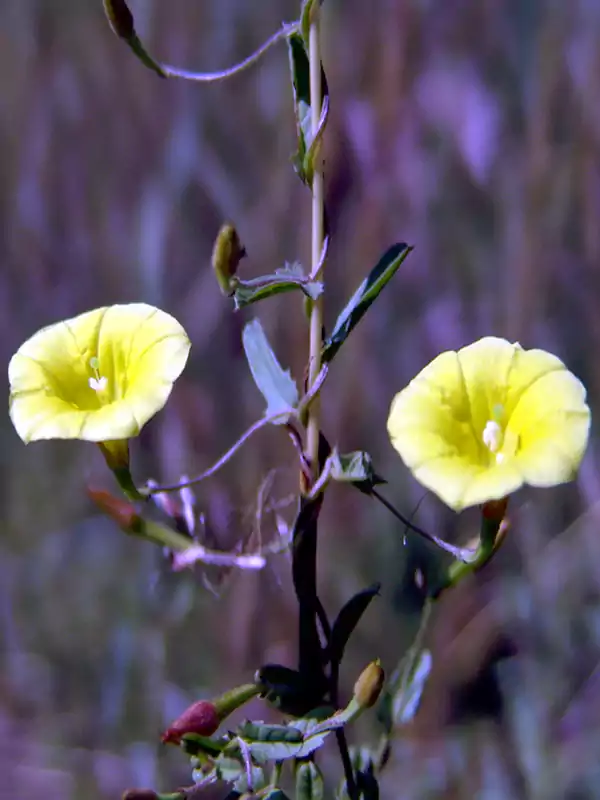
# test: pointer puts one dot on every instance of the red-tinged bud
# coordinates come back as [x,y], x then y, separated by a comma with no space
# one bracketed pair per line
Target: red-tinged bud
[201,718]
[369,685]
[120,18]
[140,794]
[122,512]
[495,510]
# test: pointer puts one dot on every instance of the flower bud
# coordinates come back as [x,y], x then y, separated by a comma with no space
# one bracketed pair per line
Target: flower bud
[140,794]
[120,18]
[369,685]
[227,253]
[201,718]
[122,512]
[495,510]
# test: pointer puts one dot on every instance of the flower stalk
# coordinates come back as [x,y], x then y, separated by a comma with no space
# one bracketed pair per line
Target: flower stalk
[316,315]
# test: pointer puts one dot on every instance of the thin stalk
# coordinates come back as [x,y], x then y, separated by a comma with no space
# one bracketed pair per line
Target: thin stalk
[209,77]
[316,317]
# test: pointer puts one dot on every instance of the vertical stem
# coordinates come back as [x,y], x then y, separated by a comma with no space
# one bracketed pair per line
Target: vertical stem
[316,317]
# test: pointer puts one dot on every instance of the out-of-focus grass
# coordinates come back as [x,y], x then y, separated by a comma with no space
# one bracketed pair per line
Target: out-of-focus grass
[470,130]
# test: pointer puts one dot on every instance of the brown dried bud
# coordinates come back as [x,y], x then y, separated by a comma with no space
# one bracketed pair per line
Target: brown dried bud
[122,512]
[369,685]
[120,18]
[227,253]
[201,718]
[140,794]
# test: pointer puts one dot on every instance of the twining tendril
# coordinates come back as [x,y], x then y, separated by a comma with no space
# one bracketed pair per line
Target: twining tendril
[210,77]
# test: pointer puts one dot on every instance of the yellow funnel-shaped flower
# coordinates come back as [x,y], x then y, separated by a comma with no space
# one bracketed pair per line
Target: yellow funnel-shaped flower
[477,424]
[99,376]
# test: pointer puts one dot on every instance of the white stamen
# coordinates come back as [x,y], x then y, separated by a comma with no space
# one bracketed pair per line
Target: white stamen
[98,384]
[492,435]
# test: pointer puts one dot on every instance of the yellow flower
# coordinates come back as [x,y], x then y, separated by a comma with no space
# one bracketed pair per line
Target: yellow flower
[477,424]
[98,377]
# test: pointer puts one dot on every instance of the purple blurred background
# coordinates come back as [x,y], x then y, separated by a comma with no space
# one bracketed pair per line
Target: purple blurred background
[468,129]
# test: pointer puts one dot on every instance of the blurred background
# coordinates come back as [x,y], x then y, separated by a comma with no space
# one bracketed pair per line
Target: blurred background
[468,129]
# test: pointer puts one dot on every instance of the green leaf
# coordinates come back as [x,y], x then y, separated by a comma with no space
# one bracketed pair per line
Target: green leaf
[287,690]
[275,384]
[280,742]
[406,701]
[347,620]
[232,770]
[275,794]
[196,745]
[261,732]
[308,144]
[367,292]
[290,278]
[309,782]
[306,18]
[356,468]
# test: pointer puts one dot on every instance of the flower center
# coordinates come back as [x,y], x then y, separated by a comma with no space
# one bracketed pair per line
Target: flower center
[97,382]
[493,434]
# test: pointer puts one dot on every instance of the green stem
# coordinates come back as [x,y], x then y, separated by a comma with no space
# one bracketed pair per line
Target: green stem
[487,546]
[159,534]
[316,316]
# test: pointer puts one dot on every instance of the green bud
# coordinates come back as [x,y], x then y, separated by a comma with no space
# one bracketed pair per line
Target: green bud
[369,685]
[227,253]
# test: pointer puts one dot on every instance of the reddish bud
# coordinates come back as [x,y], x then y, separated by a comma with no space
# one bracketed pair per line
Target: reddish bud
[495,509]
[122,512]
[201,718]
[120,18]
[140,794]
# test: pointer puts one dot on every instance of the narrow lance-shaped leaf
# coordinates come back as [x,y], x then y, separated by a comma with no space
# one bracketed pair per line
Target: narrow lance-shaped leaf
[347,620]
[365,295]
[275,384]
[289,691]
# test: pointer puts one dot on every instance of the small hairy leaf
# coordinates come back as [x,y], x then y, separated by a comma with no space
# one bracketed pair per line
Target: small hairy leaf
[285,280]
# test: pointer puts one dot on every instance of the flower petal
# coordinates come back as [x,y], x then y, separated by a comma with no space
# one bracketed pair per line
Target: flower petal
[460,483]
[431,417]
[552,422]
